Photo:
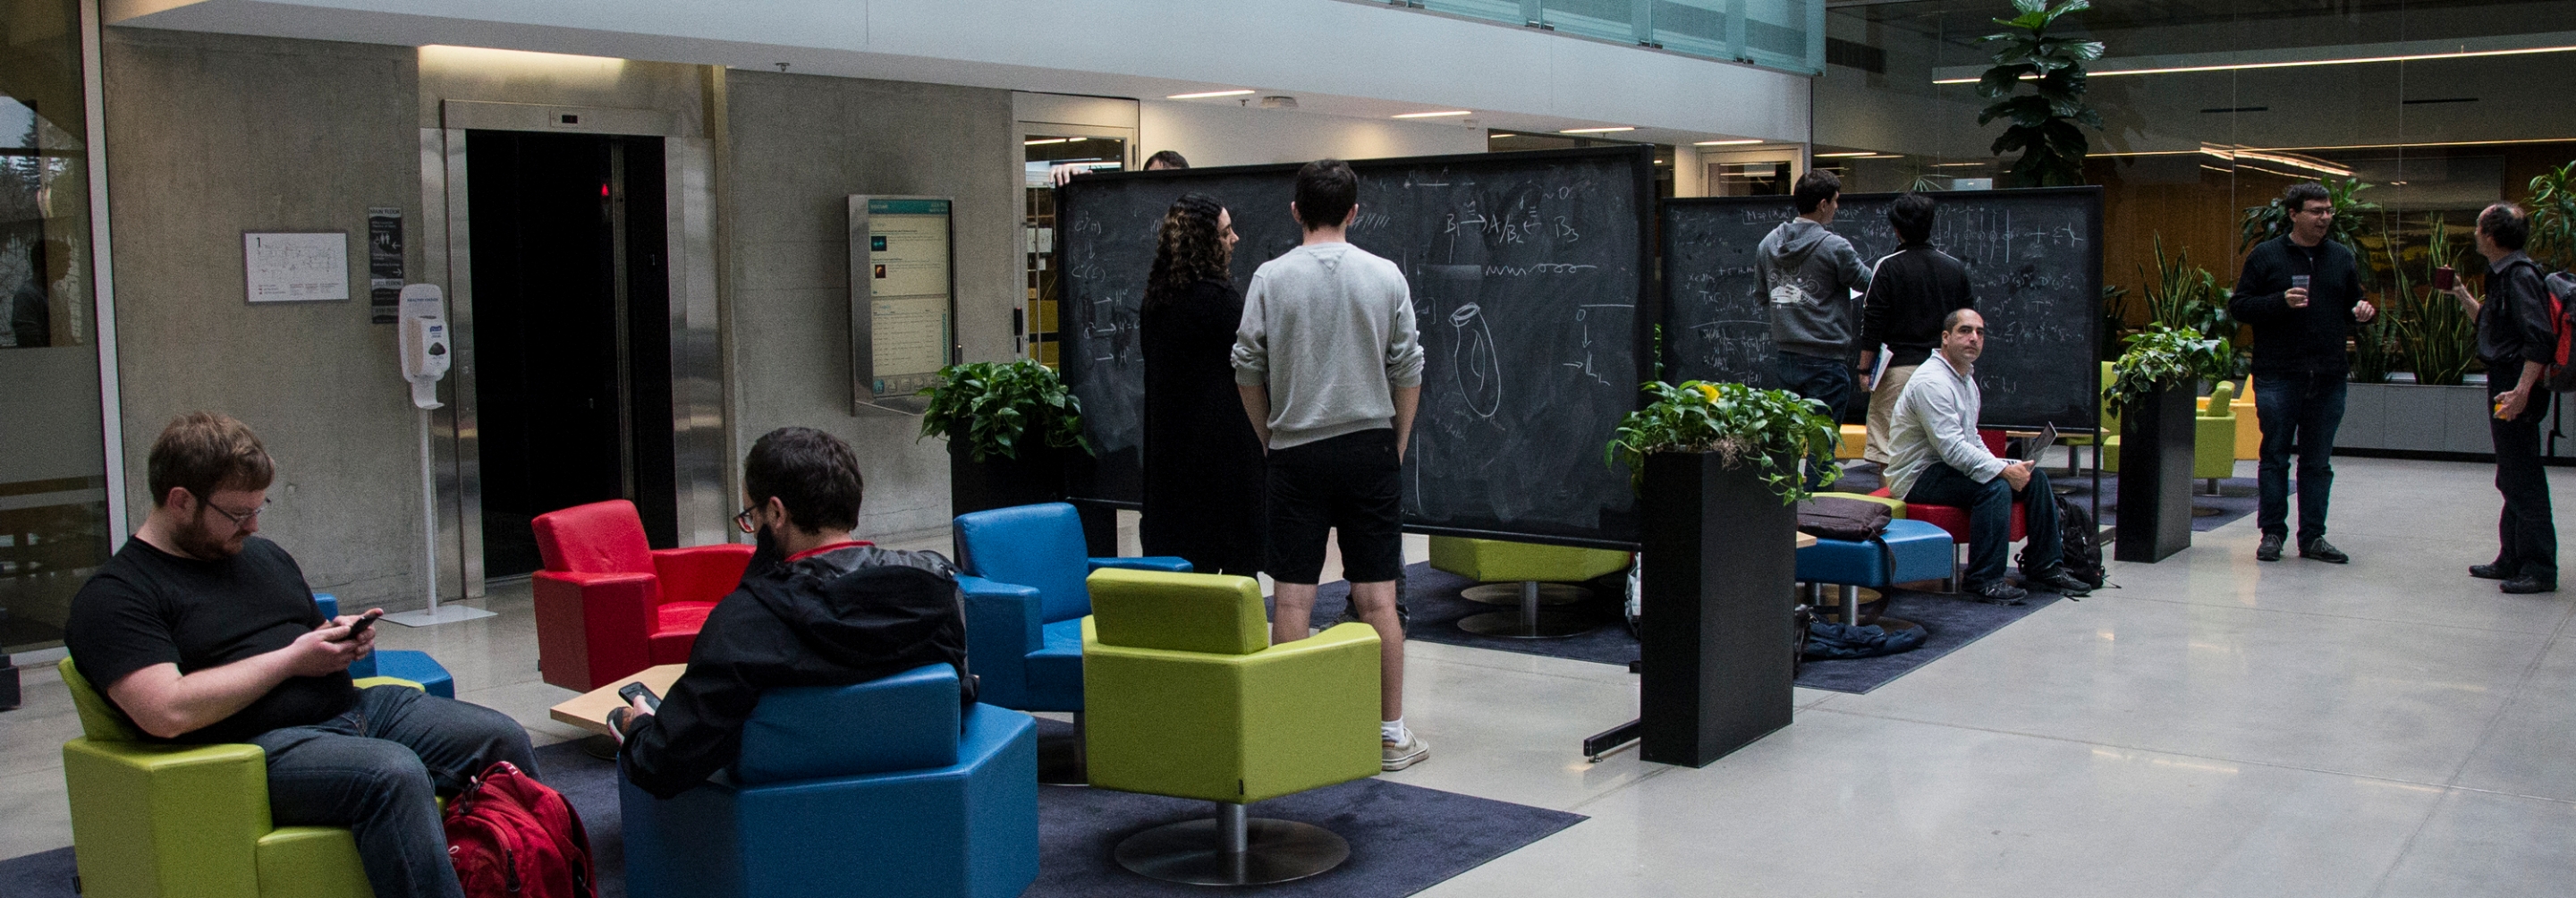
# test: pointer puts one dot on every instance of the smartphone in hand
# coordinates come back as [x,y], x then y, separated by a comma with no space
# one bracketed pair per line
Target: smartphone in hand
[360,626]
[632,691]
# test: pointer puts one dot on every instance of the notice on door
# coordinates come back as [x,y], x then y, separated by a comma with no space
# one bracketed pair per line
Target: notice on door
[908,292]
[295,267]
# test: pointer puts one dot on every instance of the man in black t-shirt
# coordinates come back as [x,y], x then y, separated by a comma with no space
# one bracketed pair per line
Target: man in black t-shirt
[201,632]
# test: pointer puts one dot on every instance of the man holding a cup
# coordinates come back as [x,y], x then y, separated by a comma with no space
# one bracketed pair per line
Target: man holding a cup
[2301,293]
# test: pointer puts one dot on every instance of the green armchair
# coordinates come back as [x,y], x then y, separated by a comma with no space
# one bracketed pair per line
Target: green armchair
[151,820]
[1185,696]
[2213,451]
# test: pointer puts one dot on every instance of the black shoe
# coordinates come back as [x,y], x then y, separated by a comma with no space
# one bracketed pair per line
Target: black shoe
[2058,581]
[2490,572]
[2270,548]
[2323,551]
[1996,592]
[2527,584]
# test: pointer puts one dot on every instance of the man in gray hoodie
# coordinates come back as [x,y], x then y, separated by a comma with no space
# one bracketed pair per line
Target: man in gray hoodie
[1810,275]
[1330,368]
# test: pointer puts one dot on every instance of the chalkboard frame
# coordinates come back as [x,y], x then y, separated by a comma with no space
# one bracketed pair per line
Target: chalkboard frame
[2093,265]
[1649,290]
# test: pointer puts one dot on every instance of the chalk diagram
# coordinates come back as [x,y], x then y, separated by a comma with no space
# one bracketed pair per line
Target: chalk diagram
[1478,368]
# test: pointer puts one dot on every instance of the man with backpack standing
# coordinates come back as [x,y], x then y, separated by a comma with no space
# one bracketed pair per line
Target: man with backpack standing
[2517,339]
[2302,294]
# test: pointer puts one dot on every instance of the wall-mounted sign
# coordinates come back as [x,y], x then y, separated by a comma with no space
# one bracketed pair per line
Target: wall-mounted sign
[902,298]
[384,263]
[295,267]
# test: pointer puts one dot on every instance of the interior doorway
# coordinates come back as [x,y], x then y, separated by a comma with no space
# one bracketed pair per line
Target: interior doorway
[571,342]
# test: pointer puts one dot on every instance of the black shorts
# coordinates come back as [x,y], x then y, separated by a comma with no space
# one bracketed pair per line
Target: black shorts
[1352,483]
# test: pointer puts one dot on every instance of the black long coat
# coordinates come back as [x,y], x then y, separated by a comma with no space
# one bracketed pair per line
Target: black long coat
[1203,470]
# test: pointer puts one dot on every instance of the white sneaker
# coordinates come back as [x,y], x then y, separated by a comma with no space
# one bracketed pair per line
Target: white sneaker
[1400,755]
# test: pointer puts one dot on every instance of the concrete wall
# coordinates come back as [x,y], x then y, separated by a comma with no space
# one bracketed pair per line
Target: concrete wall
[209,136]
[797,147]
[1212,135]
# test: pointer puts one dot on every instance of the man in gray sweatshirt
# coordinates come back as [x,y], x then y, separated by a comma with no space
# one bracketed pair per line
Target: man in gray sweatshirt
[1330,368]
[1810,275]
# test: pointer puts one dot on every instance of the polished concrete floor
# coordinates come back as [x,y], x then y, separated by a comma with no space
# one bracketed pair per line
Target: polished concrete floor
[2214,726]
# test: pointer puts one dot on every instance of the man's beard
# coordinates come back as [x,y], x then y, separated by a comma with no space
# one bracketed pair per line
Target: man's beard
[197,540]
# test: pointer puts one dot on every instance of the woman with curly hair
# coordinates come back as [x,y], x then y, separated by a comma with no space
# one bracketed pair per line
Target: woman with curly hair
[1203,474]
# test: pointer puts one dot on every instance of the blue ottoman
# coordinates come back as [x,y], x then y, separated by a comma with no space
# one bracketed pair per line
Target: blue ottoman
[417,667]
[1915,550]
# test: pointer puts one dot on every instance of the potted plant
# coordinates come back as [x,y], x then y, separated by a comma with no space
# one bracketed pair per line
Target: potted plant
[1011,427]
[1716,466]
[2152,387]
[2044,120]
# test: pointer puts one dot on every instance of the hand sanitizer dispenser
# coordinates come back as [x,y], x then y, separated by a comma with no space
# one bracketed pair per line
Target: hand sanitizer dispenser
[425,349]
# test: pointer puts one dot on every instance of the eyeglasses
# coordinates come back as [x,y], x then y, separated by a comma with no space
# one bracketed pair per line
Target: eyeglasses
[238,518]
[744,522]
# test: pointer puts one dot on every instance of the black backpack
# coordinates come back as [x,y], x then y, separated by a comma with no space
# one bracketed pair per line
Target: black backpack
[2079,544]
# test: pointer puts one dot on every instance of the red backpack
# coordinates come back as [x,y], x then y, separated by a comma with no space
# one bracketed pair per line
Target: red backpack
[512,837]
[2561,290]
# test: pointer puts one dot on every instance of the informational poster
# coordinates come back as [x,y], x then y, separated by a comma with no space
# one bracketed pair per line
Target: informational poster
[384,263]
[293,267]
[907,285]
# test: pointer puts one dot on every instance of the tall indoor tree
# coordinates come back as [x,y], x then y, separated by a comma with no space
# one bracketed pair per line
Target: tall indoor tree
[2044,120]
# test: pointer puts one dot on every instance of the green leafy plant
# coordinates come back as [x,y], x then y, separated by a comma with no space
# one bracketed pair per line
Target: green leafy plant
[2436,334]
[2553,217]
[2162,357]
[1002,405]
[2044,120]
[2351,224]
[1770,429]
[2115,318]
[2183,295]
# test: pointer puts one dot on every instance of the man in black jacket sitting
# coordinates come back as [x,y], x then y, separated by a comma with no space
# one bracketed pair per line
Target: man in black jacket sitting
[816,608]
[2302,294]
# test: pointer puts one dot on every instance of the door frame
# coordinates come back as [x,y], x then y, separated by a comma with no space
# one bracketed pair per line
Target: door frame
[697,372]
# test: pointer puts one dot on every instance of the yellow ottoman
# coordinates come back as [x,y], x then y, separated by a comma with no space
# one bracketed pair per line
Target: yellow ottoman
[1526,575]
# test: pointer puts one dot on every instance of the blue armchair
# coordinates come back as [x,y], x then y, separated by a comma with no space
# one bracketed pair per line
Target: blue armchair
[1025,601]
[880,789]
[401,664]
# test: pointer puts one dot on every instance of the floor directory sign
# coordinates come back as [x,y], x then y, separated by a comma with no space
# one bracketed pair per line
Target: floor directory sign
[902,297]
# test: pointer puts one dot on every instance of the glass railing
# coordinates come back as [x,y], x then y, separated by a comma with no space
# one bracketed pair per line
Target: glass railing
[1788,35]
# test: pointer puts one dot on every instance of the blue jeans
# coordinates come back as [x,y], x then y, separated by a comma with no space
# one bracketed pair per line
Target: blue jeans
[1822,379]
[1989,506]
[379,769]
[2299,414]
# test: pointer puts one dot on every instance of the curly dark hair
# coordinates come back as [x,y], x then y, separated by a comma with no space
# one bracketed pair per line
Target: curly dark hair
[1189,249]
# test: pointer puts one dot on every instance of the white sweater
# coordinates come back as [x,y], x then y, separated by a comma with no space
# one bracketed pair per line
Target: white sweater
[1329,328]
[1936,421]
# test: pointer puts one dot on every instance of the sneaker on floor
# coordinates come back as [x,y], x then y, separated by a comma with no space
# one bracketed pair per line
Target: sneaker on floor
[1996,592]
[1400,755]
[2323,551]
[2526,585]
[2058,581]
[2270,548]
[2490,572]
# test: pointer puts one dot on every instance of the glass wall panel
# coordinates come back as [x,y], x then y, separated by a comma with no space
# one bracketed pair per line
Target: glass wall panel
[53,479]
[1618,20]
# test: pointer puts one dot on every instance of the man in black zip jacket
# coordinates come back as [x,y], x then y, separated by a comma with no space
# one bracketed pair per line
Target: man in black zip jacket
[816,608]
[2518,341]
[2299,364]
[1909,293]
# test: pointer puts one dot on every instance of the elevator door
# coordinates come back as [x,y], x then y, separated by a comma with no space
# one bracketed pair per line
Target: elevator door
[571,333]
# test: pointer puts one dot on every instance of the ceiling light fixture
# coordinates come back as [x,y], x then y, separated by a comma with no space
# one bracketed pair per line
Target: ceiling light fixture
[1045,140]
[1846,155]
[1499,136]
[1606,130]
[2356,60]
[1437,114]
[1207,94]
[2239,153]
[1727,143]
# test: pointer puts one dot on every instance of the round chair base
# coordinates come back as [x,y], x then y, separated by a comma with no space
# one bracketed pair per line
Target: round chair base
[1274,851]
[1508,625]
[1510,594]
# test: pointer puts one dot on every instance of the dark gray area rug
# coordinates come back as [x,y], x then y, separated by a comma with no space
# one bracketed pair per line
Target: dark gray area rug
[1403,838]
[1433,597]
[2236,497]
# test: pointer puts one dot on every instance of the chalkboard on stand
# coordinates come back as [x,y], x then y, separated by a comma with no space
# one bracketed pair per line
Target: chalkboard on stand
[1528,273]
[2034,256]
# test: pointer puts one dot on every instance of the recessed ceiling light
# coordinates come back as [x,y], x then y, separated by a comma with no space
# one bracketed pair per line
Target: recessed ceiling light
[1727,143]
[1437,114]
[1045,140]
[1597,130]
[1846,155]
[1499,136]
[1206,94]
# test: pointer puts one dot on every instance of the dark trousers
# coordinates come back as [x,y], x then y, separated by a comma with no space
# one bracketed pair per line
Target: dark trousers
[1989,506]
[1822,379]
[379,769]
[2526,538]
[2299,414]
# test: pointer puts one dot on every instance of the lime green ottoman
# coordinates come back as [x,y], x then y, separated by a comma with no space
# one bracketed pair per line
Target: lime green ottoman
[1528,575]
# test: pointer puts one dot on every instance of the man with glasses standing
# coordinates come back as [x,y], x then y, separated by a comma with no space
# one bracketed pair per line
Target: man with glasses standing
[202,632]
[2302,293]
[816,608]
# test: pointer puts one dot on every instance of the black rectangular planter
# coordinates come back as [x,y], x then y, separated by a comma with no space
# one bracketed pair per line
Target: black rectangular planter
[1720,565]
[1037,475]
[2156,437]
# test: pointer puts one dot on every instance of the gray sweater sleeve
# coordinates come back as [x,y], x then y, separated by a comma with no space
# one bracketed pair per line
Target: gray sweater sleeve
[1252,338]
[1404,341]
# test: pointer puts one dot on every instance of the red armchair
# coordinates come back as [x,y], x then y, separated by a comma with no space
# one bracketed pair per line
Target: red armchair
[609,605]
[1954,519]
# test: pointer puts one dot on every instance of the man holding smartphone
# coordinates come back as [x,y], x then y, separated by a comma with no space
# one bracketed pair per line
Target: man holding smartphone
[201,632]
[2302,293]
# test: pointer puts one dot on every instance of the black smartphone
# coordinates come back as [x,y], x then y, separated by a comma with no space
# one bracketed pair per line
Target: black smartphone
[652,702]
[364,621]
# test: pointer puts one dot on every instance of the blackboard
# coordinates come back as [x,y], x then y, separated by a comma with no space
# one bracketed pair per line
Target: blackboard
[1528,271]
[2035,257]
